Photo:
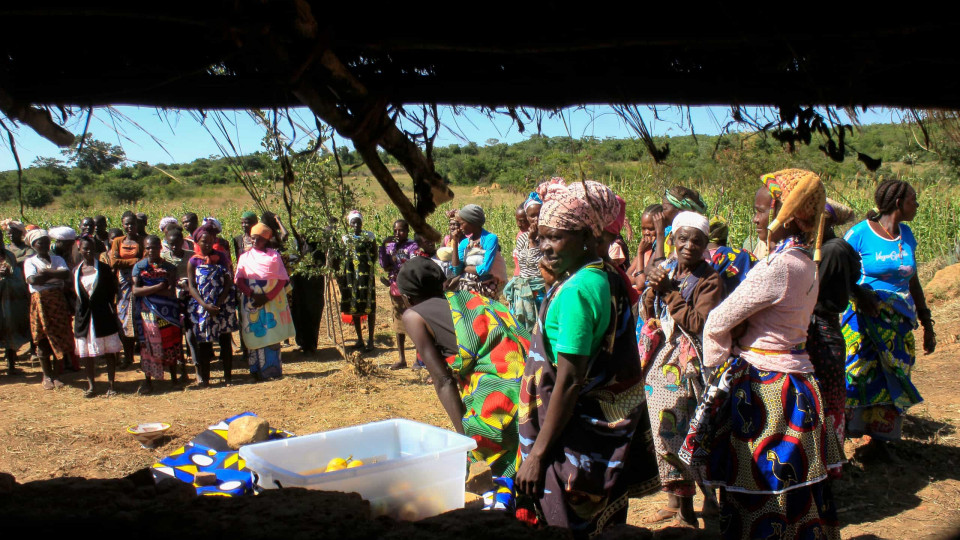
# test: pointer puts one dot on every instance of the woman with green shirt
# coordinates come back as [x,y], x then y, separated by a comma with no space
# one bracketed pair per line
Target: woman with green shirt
[584,438]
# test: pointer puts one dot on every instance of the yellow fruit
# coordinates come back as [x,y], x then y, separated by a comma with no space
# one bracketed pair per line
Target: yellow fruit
[336,464]
[354,463]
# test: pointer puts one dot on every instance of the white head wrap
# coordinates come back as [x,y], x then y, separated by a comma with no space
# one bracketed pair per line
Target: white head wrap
[214,222]
[167,221]
[63,233]
[692,219]
[34,235]
[354,214]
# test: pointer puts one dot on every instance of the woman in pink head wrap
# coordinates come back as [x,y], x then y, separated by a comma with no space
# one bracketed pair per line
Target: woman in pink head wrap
[578,460]
[616,248]
[264,313]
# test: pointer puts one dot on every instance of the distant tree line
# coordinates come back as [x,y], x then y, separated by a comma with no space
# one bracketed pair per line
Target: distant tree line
[100,170]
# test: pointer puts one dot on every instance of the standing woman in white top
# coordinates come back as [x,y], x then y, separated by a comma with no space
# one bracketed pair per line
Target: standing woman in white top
[50,315]
[95,324]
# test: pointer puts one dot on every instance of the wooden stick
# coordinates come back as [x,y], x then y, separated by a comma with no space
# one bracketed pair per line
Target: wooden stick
[38,119]
[334,299]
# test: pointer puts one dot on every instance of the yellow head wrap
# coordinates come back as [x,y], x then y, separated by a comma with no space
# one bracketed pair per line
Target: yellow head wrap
[802,196]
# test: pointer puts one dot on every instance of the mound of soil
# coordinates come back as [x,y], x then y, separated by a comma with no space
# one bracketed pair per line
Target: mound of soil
[136,507]
[945,284]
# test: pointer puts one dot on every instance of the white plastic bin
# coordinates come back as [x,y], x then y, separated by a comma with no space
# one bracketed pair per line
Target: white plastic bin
[411,470]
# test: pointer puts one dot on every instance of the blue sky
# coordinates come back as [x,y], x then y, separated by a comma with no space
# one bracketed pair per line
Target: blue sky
[158,136]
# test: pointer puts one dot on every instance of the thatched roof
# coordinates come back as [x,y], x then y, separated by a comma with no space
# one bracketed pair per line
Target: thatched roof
[349,62]
[241,54]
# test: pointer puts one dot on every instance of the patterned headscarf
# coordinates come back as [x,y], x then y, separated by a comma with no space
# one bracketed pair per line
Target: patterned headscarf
[801,192]
[36,234]
[719,230]
[617,224]
[802,195]
[206,228]
[542,189]
[354,214]
[533,198]
[583,205]
[213,222]
[686,203]
[840,213]
[8,224]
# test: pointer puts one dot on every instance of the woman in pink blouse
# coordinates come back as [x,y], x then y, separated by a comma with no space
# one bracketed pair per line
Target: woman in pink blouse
[759,430]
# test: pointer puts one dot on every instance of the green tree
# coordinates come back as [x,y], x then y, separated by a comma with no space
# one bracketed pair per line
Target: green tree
[36,195]
[95,156]
[124,191]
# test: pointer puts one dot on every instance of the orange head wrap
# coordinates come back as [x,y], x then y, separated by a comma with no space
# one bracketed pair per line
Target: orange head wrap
[261,230]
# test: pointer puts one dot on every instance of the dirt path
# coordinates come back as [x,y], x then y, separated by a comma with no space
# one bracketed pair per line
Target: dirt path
[59,433]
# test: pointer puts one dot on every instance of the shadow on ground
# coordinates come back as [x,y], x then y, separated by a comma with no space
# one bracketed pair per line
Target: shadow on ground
[880,484]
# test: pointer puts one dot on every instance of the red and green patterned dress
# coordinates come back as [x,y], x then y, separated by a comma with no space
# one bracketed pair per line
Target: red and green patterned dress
[489,364]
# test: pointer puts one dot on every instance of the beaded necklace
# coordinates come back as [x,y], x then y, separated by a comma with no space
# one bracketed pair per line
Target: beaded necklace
[898,239]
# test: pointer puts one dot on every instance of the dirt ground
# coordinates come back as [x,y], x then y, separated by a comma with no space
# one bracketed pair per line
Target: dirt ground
[49,434]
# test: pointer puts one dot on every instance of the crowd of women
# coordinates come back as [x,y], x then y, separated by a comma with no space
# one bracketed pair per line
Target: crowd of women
[103,294]
[587,377]
[590,377]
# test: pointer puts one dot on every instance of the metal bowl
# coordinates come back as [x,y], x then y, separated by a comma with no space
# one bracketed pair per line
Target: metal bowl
[148,433]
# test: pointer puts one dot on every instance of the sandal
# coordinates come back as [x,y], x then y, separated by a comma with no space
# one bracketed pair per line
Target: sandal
[144,390]
[684,524]
[664,514]
[111,392]
[57,383]
[89,393]
[47,384]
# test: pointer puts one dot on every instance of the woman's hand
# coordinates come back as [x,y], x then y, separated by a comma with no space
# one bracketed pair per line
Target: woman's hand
[458,236]
[212,309]
[259,300]
[658,224]
[929,340]
[659,280]
[645,245]
[530,476]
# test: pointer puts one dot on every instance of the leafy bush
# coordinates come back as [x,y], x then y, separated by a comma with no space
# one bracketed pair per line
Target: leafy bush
[36,195]
[124,191]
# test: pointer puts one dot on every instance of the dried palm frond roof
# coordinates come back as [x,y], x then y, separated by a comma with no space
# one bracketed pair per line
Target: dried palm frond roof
[355,65]
[241,54]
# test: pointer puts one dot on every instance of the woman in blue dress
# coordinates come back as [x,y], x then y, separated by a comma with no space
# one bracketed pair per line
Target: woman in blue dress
[878,331]
[212,306]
